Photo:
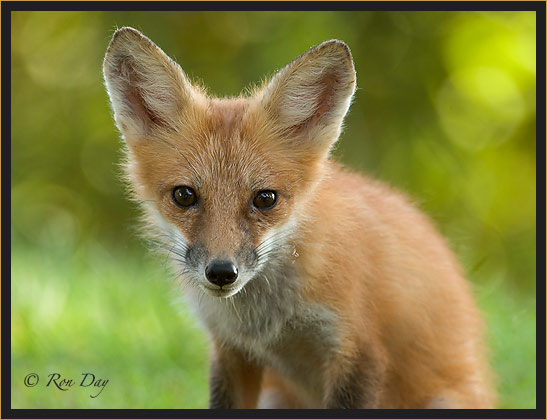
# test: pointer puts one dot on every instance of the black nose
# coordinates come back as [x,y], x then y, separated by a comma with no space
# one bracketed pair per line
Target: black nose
[221,272]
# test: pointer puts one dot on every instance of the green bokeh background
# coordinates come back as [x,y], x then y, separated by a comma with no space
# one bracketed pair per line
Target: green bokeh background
[445,110]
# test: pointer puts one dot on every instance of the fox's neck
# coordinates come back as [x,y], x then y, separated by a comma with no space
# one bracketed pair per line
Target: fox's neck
[258,311]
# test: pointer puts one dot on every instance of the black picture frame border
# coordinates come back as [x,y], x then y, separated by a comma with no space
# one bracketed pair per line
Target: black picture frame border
[9,6]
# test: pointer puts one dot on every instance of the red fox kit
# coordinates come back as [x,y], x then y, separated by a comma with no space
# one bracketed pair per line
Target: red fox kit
[320,288]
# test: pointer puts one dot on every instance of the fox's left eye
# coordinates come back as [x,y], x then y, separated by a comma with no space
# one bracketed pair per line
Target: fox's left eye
[265,200]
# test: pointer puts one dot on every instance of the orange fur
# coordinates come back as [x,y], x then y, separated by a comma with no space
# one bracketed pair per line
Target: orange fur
[368,306]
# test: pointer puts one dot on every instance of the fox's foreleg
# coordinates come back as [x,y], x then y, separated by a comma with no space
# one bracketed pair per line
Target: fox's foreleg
[355,381]
[234,379]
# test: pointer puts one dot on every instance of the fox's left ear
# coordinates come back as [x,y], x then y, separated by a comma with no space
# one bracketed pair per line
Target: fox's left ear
[310,97]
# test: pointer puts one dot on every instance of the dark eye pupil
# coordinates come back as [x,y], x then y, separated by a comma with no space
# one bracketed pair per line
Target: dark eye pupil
[184,196]
[265,199]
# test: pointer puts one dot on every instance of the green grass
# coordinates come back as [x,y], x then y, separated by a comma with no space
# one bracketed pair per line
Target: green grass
[115,314]
[511,323]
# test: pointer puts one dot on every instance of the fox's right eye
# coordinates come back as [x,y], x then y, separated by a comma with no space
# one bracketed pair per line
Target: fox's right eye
[184,196]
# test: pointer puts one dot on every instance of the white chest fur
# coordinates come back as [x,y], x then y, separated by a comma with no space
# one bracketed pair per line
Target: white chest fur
[271,322]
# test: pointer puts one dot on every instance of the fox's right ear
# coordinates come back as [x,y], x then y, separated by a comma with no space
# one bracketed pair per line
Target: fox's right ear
[147,89]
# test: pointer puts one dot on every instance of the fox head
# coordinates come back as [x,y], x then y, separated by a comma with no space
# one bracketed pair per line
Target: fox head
[224,181]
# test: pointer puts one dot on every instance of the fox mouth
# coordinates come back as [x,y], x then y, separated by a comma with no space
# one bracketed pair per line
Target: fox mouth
[223,292]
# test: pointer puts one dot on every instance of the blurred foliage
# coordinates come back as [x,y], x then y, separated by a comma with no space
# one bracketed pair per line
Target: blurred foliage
[445,110]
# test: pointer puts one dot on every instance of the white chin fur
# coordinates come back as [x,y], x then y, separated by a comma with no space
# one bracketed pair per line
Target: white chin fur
[221,293]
